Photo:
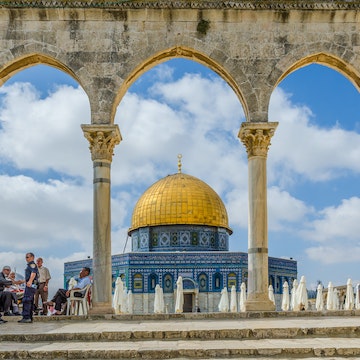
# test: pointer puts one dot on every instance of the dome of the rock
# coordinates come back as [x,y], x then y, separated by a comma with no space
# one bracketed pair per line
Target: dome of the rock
[179,199]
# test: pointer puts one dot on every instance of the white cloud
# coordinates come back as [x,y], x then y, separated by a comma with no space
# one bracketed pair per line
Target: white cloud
[43,214]
[285,211]
[302,148]
[33,133]
[335,254]
[337,224]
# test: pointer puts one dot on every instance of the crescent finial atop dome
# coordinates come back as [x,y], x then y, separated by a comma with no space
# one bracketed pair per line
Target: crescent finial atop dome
[179,163]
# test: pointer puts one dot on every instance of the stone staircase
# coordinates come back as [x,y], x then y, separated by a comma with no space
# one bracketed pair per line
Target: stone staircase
[185,336]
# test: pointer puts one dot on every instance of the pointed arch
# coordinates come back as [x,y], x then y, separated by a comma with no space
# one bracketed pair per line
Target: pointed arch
[178,52]
[328,60]
[26,61]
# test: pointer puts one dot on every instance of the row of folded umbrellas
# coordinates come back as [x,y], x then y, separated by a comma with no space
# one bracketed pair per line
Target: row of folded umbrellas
[294,300]
[298,300]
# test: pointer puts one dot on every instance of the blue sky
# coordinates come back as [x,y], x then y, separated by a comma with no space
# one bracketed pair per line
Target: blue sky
[182,107]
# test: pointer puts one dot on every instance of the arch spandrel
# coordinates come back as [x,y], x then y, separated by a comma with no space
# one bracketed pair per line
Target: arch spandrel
[186,53]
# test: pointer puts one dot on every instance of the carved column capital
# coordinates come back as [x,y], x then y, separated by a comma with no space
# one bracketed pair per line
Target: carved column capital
[102,140]
[256,137]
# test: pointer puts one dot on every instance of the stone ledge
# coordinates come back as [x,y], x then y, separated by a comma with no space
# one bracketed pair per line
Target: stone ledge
[282,348]
[188,4]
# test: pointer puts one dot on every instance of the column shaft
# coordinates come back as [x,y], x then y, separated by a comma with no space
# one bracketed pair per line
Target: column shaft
[256,137]
[102,140]
[102,235]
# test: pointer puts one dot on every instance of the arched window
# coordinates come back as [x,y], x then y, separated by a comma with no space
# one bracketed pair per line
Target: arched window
[217,282]
[138,283]
[152,281]
[203,282]
[231,280]
[168,284]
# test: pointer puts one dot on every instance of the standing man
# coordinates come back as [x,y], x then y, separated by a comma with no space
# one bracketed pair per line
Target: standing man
[43,291]
[31,282]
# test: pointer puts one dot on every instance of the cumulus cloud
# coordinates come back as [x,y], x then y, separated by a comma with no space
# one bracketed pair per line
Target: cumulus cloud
[300,147]
[285,211]
[44,134]
[337,222]
[335,254]
[46,179]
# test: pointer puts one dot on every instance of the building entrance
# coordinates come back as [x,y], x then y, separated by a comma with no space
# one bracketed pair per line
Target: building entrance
[188,302]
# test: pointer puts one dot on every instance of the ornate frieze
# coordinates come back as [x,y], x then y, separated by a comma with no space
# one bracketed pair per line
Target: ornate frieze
[102,140]
[256,137]
[182,4]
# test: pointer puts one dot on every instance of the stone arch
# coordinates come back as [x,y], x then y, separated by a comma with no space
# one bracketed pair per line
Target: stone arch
[325,59]
[26,61]
[38,58]
[179,52]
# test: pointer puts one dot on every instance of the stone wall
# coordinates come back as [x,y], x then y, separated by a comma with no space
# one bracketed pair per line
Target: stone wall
[252,46]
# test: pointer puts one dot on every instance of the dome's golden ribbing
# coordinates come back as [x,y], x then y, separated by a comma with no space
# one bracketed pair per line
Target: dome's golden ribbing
[179,199]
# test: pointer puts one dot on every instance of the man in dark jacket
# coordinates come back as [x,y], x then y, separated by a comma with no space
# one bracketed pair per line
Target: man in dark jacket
[5,296]
[31,281]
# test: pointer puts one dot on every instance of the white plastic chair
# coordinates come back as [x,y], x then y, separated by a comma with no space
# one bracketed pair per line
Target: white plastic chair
[79,305]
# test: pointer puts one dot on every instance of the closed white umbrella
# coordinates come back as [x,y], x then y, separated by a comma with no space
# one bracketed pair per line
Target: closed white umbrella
[330,297]
[242,297]
[319,303]
[179,303]
[271,294]
[159,300]
[285,303]
[349,300]
[302,302]
[336,299]
[118,295]
[293,294]
[162,302]
[357,297]
[233,302]
[130,302]
[124,301]
[224,301]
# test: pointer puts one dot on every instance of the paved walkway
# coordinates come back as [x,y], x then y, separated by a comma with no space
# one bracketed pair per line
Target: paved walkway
[66,338]
[66,325]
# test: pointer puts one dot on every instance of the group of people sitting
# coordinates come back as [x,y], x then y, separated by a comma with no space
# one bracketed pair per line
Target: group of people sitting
[11,291]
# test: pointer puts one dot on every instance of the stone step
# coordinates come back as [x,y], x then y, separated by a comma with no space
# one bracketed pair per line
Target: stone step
[193,334]
[194,349]
[180,338]
[69,329]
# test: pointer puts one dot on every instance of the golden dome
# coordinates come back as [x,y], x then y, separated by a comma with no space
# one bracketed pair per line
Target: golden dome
[179,199]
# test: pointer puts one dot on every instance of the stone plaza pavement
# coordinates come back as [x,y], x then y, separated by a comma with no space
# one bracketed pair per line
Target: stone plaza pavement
[185,336]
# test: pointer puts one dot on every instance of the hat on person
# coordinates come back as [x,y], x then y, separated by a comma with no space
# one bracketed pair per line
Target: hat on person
[7,267]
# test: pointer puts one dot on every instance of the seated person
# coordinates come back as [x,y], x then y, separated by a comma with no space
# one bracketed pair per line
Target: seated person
[5,296]
[61,295]
[14,289]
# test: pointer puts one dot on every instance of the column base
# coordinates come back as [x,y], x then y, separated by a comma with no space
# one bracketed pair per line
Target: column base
[101,309]
[259,303]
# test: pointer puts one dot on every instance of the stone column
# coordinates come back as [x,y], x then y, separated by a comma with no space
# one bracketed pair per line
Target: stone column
[102,140]
[256,138]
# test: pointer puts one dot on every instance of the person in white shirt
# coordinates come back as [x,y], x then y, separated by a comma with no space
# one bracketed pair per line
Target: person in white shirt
[61,295]
[43,288]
